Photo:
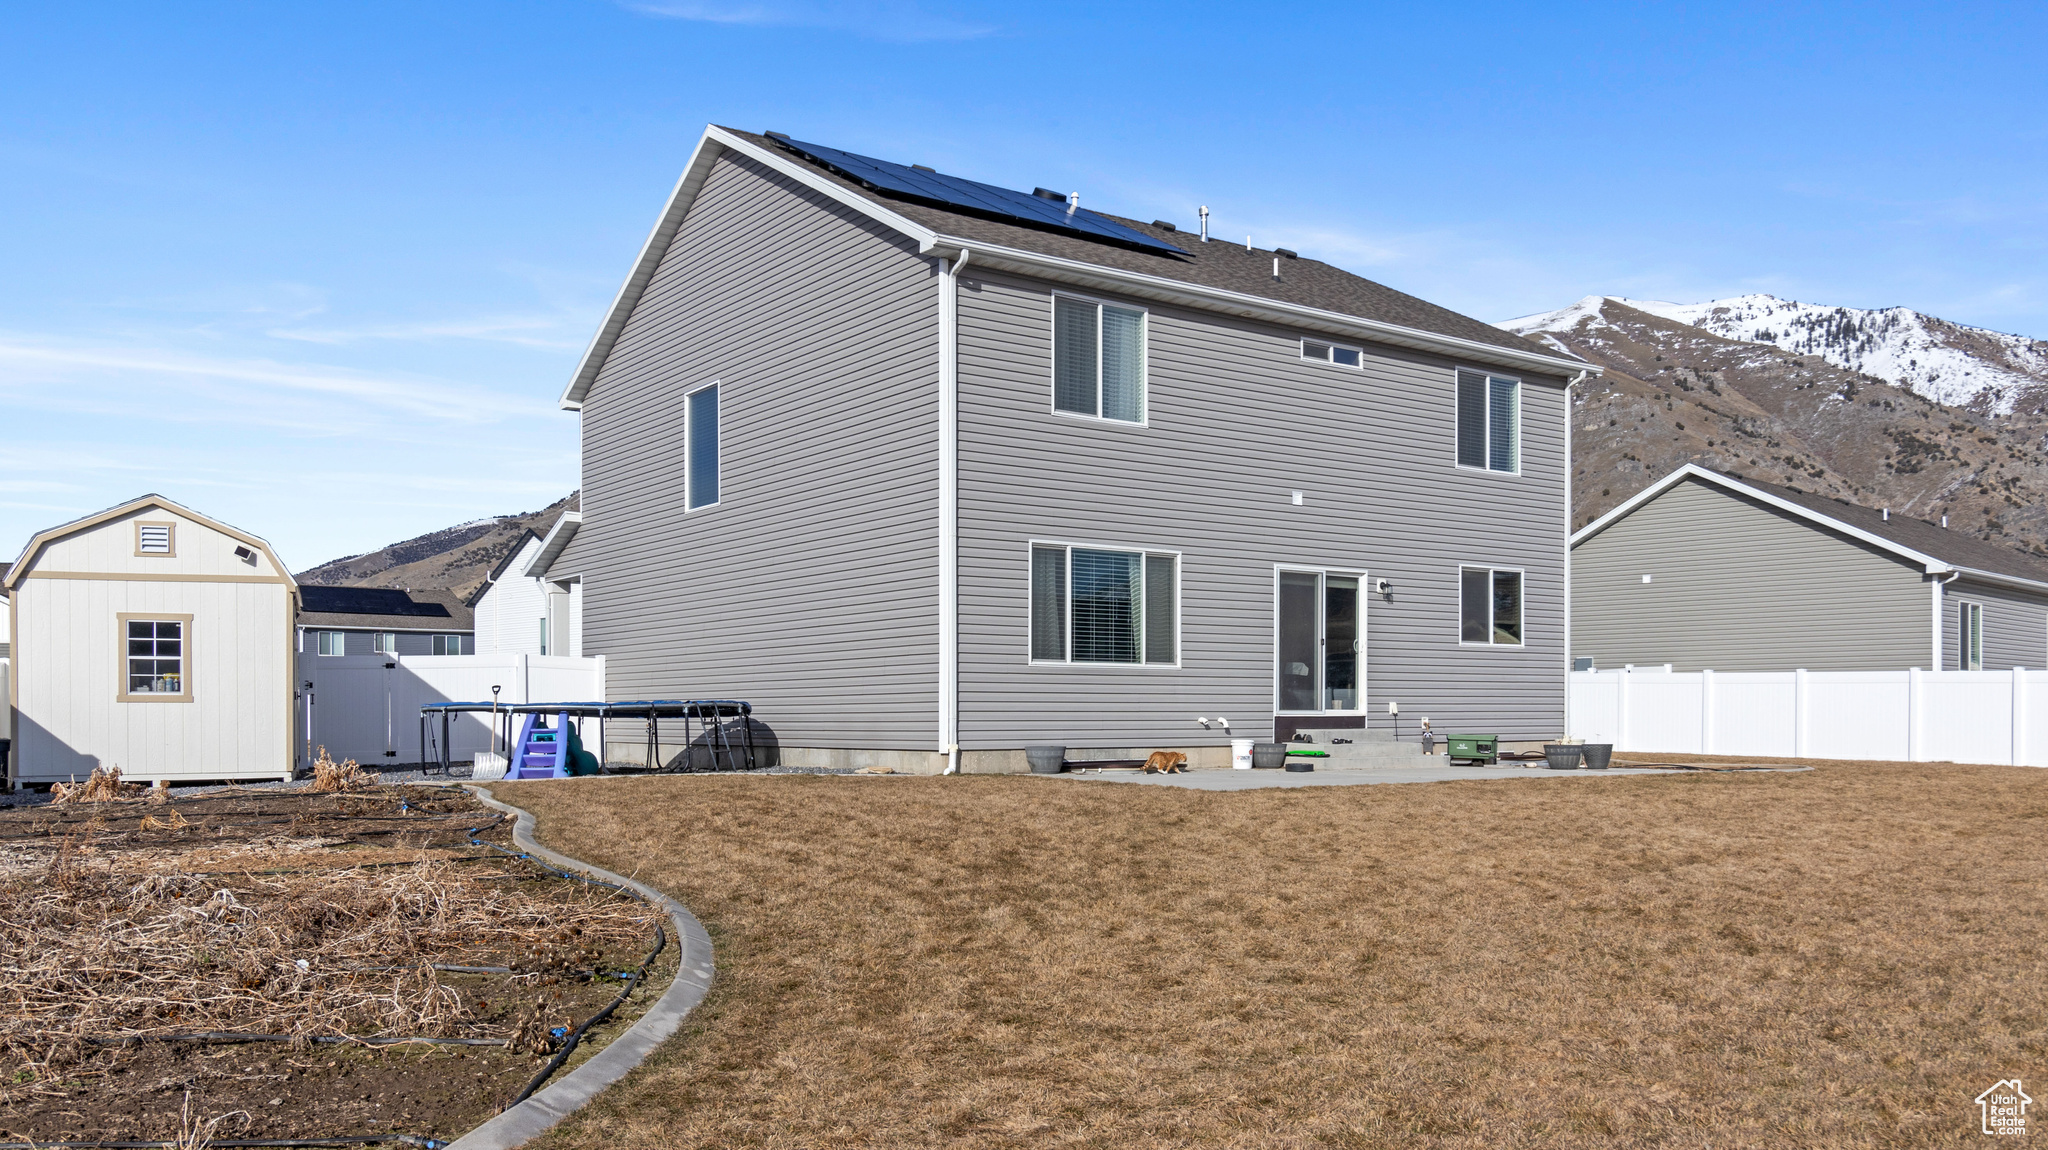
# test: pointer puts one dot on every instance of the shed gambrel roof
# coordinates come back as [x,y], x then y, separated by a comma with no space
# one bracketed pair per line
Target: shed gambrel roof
[1937,549]
[1214,276]
[20,567]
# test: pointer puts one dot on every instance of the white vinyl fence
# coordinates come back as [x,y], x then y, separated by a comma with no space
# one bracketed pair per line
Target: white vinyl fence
[1908,716]
[367,707]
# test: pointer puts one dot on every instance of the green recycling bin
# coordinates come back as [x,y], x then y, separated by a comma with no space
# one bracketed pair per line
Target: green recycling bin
[1474,748]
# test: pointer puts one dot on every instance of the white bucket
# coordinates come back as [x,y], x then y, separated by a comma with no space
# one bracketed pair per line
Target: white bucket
[1241,754]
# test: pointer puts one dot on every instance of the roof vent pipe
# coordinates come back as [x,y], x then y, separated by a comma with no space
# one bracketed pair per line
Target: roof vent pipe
[1073,202]
[1944,521]
[1887,515]
[1276,267]
[1205,223]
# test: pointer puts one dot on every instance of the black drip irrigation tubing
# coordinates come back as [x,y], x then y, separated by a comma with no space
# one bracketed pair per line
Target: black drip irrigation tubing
[226,1037]
[361,1140]
[569,1044]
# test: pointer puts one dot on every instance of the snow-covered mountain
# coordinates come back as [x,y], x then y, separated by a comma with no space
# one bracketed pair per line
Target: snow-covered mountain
[1949,363]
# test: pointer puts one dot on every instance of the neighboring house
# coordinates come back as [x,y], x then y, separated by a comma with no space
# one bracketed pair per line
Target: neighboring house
[531,602]
[1709,571]
[917,465]
[152,638]
[510,607]
[384,621]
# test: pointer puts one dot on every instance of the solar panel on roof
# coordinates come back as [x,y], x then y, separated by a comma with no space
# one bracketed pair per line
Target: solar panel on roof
[365,601]
[952,191]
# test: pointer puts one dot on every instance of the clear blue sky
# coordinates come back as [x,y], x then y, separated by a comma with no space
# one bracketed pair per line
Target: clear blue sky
[322,270]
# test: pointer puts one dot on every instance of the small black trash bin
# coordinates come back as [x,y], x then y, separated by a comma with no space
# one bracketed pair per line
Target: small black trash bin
[1046,760]
[1563,756]
[1597,755]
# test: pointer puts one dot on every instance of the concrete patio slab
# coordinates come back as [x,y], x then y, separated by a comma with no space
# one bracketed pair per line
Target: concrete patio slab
[1231,780]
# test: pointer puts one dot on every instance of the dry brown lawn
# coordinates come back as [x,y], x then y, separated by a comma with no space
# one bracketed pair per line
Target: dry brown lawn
[1839,958]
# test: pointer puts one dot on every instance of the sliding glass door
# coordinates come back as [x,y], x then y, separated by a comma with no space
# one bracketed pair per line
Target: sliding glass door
[1319,643]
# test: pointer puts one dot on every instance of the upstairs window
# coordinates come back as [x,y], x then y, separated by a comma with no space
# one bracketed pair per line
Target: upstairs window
[156,539]
[447,645]
[1489,422]
[1100,606]
[384,643]
[153,662]
[1098,360]
[700,437]
[1490,606]
[1330,353]
[330,642]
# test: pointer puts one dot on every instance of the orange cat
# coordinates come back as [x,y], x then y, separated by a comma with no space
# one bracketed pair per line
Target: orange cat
[1166,763]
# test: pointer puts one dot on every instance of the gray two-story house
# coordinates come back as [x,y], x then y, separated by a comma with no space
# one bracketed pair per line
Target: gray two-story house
[929,470]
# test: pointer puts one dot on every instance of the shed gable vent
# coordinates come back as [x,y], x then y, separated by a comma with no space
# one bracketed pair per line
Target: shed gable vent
[153,538]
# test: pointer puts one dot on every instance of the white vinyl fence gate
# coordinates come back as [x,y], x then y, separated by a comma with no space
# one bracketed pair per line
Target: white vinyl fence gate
[367,707]
[1907,716]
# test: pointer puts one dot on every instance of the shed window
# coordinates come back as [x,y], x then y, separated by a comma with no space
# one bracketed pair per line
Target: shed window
[1100,606]
[1098,360]
[701,436]
[447,645]
[1330,353]
[155,539]
[1973,636]
[330,642]
[1490,606]
[156,657]
[1489,422]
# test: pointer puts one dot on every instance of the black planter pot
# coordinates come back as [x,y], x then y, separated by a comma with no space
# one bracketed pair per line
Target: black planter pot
[1269,755]
[1563,756]
[1597,755]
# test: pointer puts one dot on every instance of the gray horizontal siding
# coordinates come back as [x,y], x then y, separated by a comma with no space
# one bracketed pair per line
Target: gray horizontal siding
[1738,585]
[409,643]
[1236,422]
[2015,625]
[811,589]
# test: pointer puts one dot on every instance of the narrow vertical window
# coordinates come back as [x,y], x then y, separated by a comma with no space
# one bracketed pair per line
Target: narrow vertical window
[1049,603]
[1489,415]
[1160,609]
[1096,606]
[1098,360]
[1973,637]
[701,480]
[543,635]
[1489,606]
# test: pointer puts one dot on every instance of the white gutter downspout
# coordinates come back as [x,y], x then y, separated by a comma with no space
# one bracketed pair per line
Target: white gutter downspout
[949,509]
[1938,584]
[1568,656]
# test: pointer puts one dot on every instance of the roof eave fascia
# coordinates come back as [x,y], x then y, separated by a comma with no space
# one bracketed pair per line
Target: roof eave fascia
[41,539]
[710,146]
[1928,563]
[1256,307]
[552,547]
[1983,576]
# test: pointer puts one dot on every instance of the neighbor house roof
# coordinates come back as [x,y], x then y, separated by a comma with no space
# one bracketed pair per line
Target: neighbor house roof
[385,609]
[1217,275]
[1937,549]
[20,566]
[498,569]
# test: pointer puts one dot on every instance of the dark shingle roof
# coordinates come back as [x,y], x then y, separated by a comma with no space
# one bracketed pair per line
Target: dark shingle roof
[1951,547]
[386,608]
[1216,264]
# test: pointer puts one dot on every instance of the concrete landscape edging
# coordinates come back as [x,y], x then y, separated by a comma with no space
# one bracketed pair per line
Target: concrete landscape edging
[565,1095]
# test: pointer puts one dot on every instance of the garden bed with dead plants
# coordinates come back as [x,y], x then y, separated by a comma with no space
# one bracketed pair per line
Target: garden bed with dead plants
[342,961]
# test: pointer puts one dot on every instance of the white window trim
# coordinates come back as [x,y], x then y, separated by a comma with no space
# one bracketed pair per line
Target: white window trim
[1458,607]
[1052,338]
[1972,612]
[1364,585]
[1332,362]
[443,640]
[1179,606]
[1521,425]
[377,637]
[717,464]
[343,644]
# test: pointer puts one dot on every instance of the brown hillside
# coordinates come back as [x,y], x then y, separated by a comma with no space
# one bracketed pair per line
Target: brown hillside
[453,558]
